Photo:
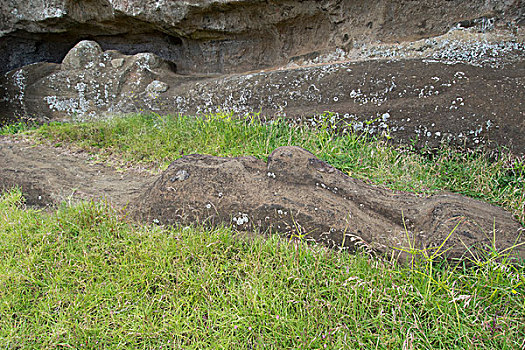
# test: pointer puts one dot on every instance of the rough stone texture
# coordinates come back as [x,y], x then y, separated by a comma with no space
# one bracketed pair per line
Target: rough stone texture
[297,194]
[294,193]
[360,59]
[87,84]
[221,36]
[466,100]
[85,55]
[156,87]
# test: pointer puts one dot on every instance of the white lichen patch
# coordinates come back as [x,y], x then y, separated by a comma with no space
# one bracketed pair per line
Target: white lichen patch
[241,219]
[50,11]
[64,104]
[155,88]
[477,46]
[282,212]
[180,175]
[146,61]
[19,82]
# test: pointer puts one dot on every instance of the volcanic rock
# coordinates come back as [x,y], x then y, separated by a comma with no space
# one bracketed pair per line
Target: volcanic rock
[419,72]
[296,194]
[88,84]
[225,36]
[85,55]
[420,101]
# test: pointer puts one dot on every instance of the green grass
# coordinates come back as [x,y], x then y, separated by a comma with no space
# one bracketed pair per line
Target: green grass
[84,277]
[155,141]
[18,127]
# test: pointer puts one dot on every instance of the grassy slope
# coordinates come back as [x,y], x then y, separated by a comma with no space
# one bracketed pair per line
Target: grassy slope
[84,277]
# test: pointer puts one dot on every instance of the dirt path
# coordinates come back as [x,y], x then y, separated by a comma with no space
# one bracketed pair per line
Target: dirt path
[50,175]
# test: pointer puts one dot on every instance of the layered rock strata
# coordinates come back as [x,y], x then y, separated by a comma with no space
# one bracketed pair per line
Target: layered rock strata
[415,100]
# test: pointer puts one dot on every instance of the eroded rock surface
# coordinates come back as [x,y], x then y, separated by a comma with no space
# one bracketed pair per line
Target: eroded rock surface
[301,196]
[294,193]
[418,72]
[88,84]
[225,36]
[465,100]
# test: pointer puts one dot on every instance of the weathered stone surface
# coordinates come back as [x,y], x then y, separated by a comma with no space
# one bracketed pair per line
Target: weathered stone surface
[222,36]
[117,62]
[157,87]
[297,194]
[85,55]
[88,84]
[465,86]
[294,193]
[466,101]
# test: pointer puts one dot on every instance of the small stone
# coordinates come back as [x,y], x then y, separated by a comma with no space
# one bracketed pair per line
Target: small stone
[84,55]
[157,87]
[117,62]
[146,61]
[181,175]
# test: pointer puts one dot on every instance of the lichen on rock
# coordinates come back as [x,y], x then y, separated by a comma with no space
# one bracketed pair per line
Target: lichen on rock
[85,55]
[157,87]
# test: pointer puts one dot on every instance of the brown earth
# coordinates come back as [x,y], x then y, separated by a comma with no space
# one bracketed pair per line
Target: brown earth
[294,193]
[49,175]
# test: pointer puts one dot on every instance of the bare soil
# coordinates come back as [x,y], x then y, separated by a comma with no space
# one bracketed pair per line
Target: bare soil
[49,175]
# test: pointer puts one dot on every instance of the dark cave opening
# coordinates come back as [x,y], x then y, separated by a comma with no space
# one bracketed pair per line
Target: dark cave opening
[22,48]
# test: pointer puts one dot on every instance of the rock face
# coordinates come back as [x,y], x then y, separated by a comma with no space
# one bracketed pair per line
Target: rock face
[87,84]
[303,197]
[224,36]
[382,67]
[468,102]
